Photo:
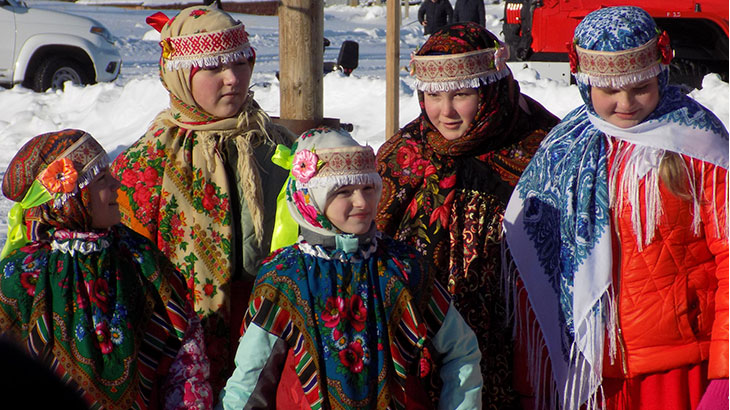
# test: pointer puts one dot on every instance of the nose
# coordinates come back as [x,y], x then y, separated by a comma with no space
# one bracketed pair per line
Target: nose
[447,107]
[229,76]
[625,100]
[358,199]
[115,182]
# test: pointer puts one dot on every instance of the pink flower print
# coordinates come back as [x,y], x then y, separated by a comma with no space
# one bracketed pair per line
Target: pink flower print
[304,166]
[358,313]
[309,213]
[351,357]
[334,310]
[99,293]
[29,281]
[103,337]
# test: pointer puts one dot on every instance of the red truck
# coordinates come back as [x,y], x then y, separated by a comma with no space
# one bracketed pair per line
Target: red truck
[537,31]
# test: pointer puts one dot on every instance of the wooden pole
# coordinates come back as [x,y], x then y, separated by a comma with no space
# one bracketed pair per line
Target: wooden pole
[301,33]
[392,67]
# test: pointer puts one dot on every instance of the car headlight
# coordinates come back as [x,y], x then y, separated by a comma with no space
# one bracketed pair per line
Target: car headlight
[103,32]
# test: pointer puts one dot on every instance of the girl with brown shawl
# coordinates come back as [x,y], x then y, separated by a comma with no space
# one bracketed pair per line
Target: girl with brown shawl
[447,178]
[194,182]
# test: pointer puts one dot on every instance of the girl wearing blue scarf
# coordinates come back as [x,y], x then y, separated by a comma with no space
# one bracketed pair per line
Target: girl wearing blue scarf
[347,318]
[616,235]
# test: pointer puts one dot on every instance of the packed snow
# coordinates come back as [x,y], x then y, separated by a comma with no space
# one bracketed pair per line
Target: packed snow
[118,113]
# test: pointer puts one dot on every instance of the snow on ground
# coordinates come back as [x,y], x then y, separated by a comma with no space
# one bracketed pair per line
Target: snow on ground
[118,113]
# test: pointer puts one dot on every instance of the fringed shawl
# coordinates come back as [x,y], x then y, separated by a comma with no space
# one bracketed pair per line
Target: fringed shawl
[105,311]
[557,229]
[357,322]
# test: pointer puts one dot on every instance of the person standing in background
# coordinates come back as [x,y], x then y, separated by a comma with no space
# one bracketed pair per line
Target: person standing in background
[434,14]
[469,10]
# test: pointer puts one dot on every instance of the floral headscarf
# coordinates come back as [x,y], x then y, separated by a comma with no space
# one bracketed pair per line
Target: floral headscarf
[47,179]
[325,160]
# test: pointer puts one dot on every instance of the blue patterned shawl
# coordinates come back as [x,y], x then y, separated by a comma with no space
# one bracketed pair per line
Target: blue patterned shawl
[557,223]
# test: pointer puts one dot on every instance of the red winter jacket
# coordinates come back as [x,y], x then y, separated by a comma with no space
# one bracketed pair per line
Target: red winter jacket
[673,295]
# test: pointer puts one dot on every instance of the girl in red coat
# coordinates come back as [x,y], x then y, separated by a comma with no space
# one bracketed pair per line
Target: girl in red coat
[617,232]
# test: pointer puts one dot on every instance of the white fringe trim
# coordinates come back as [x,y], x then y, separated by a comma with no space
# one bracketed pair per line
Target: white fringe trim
[640,163]
[539,373]
[90,171]
[336,181]
[475,82]
[201,61]
[620,80]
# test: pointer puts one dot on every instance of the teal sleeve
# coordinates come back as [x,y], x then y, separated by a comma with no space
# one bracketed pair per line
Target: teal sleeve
[460,369]
[254,350]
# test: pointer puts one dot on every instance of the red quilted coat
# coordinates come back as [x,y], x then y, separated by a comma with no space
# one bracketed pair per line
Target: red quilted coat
[672,296]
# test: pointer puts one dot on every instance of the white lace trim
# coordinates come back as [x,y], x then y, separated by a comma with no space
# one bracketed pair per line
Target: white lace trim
[186,62]
[82,246]
[319,252]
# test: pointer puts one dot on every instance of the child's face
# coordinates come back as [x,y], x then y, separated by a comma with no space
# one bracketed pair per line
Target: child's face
[352,208]
[103,205]
[452,112]
[222,90]
[627,106]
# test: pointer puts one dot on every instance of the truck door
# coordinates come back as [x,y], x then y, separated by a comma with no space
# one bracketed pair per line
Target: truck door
[7,41]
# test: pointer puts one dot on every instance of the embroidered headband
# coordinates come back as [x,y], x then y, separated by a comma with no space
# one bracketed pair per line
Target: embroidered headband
[447,72]
[44,170]
[202,49]
[321,161]
[62,180]
[620,68]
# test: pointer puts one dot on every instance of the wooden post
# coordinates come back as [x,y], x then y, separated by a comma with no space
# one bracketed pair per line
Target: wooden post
[301,31]
[392,67]
[408,2]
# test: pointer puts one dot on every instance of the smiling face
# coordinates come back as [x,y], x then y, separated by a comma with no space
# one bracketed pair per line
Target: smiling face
[103,204]
[352,208]
[222,90]
[627,106]
[452,112]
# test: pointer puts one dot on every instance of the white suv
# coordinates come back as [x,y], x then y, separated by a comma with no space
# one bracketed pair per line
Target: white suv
[42,49]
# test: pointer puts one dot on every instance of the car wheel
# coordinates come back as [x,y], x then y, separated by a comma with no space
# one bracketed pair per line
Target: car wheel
[55,71]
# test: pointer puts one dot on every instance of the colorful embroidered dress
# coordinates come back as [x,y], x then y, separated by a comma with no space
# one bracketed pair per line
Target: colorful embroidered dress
[590,204]
[447,198]
[358,318]
[204,188]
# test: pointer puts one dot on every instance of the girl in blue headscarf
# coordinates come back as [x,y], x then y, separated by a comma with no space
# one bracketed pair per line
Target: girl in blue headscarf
[616,234]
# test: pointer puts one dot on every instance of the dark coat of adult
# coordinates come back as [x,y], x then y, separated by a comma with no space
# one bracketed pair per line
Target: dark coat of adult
[435,14]
[469,10]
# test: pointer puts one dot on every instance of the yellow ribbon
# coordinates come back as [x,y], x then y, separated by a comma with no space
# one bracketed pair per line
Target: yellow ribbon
[17,236]
[286,230]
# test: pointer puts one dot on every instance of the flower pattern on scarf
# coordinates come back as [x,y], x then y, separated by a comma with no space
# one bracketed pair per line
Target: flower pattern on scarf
[304,166]
[101,304]
[346,313]
[60,176]
[665,48]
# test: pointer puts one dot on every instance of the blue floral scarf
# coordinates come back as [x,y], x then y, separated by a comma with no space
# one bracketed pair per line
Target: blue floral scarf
[557,223]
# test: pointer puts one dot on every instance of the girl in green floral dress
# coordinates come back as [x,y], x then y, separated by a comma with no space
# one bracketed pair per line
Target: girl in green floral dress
[97,302]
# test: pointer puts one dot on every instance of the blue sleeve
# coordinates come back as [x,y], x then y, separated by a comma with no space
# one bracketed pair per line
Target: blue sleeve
[259,361]
[460,369]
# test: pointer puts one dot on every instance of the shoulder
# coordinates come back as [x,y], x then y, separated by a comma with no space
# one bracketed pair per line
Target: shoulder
[34,251]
